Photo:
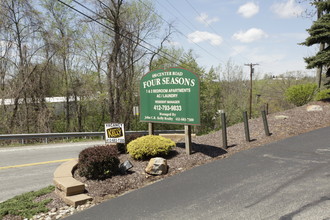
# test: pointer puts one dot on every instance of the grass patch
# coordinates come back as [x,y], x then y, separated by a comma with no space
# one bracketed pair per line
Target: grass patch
[24,205]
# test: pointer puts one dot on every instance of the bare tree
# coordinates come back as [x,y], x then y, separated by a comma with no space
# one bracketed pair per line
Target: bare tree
[20,27]
[62,30]
[131,25]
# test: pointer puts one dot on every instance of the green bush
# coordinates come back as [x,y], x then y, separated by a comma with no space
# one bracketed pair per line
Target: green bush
[130,137]
[149,146]
[99,162]
[300,94]
[323,95]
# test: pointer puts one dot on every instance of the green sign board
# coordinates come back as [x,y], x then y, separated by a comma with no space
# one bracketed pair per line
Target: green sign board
[170,96]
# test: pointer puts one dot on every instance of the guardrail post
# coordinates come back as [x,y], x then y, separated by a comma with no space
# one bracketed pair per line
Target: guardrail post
[264,119]
[224,130]
[246,127]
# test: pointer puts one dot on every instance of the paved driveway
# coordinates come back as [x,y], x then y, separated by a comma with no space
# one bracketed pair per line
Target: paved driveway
[289,179]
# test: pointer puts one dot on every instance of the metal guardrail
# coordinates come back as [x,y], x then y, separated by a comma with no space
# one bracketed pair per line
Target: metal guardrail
[74,134]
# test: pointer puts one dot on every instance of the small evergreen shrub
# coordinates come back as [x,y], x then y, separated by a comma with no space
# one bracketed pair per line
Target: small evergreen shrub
[99,162]
[323,95]
[300,94]
[122,148]
[26,205]
[149,146]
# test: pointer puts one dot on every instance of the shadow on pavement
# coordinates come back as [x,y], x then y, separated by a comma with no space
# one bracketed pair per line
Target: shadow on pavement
[208,150]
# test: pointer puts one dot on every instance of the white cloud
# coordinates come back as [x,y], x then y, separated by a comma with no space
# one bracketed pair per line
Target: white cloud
[250,35]
[287,9]
[238,50]
[248,10]
[204,19]
[200,36]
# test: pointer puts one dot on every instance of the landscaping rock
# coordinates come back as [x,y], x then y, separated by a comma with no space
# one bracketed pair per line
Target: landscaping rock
[157,166]
[281,117]
[314,108]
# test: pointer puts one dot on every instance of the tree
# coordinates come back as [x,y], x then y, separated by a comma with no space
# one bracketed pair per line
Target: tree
[63,32]
[19,30]
[320,34]
[131,24]
[161,60]
[210,100]
[234,92]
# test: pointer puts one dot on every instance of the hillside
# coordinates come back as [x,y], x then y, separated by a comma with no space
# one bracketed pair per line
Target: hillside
[205,148]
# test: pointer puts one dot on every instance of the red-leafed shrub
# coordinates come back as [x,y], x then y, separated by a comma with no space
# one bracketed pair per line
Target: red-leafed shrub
[99,162]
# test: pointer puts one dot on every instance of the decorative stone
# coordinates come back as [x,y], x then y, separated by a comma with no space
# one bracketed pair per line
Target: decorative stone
[281,117]
[157,166]
[314,108]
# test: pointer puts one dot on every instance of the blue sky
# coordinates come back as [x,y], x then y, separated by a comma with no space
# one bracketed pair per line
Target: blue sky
[266,32]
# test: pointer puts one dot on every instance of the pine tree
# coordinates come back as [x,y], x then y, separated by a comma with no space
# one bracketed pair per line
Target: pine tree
[320,34]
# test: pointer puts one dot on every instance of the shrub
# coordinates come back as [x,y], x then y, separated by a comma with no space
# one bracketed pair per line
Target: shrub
[26,205]
[323,95]
[149,146]
[130,137]
[99,162]
[300,94]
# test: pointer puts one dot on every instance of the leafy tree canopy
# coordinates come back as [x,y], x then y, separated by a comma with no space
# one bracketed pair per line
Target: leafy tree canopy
[320,34]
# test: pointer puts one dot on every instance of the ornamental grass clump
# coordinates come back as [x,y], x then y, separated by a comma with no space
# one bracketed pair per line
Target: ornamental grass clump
[99,162]
[149,146]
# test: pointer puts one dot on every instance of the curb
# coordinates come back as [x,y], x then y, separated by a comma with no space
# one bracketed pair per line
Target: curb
[69,189]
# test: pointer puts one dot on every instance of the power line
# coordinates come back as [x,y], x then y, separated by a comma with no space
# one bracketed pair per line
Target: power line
[196,11]
[181,14]
[106,26]
[178,31]
[126,31]
[189,27]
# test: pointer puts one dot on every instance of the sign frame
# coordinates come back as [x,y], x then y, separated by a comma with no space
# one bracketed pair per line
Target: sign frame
[170,96]
[116,130]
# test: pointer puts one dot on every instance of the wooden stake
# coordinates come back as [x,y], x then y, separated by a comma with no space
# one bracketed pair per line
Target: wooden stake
[187,130]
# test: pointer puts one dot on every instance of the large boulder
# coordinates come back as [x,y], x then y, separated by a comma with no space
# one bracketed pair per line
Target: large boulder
[157,166]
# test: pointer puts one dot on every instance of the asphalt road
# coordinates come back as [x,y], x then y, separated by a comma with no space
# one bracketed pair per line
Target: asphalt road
[289,179]
[28,168]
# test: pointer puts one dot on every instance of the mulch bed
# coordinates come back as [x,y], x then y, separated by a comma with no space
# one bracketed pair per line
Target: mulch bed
[207,148]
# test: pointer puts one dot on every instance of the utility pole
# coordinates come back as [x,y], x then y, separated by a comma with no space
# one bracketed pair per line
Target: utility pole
[251,65]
